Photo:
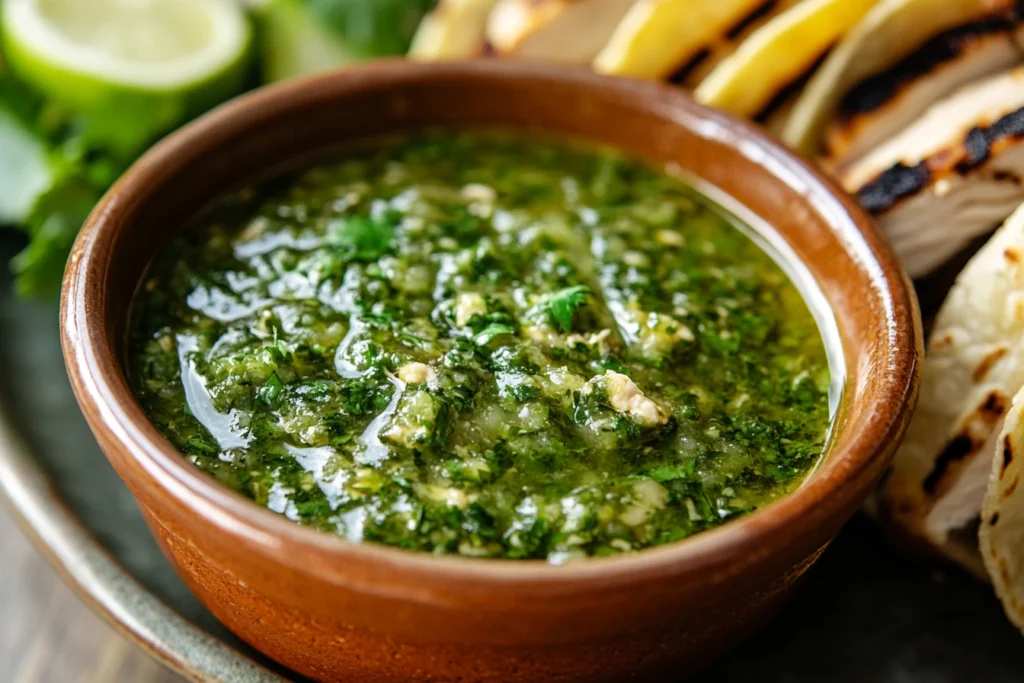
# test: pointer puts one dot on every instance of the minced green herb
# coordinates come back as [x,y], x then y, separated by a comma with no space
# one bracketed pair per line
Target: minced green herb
[484,345]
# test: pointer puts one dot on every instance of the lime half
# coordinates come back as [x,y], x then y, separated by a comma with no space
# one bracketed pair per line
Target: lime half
[134,67]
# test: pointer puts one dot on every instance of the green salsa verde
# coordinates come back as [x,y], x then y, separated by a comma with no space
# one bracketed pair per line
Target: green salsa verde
[484,344]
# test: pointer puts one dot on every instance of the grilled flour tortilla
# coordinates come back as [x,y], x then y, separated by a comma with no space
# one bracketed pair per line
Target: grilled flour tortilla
[1002,527]
[893,32]
[556,30]
[951,176]
[452,30]
[884,104]
[973,368]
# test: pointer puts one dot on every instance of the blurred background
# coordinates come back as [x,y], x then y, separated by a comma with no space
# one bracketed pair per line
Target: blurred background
[48,635]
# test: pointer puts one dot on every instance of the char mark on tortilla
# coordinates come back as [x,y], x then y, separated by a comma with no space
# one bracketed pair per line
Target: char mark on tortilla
[990,359]
[957,449]
[975,148]
[791,90]
[874,92]
[746,22]
[979,142]
[972,438]
[893,185]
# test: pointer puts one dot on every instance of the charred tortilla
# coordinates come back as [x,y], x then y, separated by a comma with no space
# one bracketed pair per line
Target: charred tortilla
[889,33]
[973,368]
[1001,535]
[557,30]
[951,176]
[454,29]
[884,104]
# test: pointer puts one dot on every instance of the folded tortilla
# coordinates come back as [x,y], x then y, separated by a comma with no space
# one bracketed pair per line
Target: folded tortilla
[572,31]
[973,369]
[1001,535]
[454,29]
[891,31]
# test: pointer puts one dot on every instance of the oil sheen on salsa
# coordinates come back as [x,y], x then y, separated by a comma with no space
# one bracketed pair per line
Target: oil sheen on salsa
[483,344]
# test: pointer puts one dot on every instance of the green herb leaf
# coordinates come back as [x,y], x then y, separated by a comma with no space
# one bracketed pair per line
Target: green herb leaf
[484,337]
[359,397]
[411,339]
[560,306]
[25,170]
[362,238]
[670,473]
[270,391]
[52,227]
[373,29]
[55,164]
[201,445]
[48,184]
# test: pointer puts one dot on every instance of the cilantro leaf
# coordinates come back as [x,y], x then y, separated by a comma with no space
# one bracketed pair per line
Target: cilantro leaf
[270,391]
[373,29]
[48,184]
[25,170]
[52,226]
[201,445]
[55,164]
[484,337]
[664,473]
[362,238]
[559,307]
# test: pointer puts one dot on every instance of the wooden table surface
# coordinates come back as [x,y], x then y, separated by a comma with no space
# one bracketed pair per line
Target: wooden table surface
[48,636]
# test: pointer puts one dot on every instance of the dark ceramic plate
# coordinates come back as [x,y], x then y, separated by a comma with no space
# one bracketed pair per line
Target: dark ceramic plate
[864,614]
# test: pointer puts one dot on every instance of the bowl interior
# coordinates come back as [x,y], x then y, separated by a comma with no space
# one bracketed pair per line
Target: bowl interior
[874,314]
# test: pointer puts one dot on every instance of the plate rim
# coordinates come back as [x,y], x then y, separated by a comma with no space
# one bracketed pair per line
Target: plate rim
[100,581]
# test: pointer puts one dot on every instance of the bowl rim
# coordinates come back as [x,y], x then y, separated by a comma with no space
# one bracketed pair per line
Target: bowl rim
[97,376]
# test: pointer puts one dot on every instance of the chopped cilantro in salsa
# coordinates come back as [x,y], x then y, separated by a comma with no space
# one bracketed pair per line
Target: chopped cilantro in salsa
[485,345]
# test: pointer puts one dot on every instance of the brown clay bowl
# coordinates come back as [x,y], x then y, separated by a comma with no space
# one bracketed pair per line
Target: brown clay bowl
[339,611]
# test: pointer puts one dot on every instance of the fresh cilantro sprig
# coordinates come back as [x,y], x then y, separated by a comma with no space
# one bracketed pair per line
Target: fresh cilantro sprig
[560,307]
[49,181]
[362,238]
